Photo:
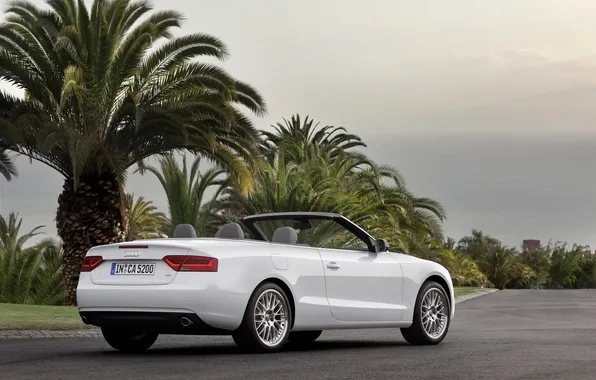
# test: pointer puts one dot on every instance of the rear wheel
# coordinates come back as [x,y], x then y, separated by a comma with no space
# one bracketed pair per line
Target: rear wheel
[127,341]
[431,316]
[303,337]
[266,323]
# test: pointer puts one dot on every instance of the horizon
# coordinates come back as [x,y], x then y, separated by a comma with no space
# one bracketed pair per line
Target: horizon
[426,168]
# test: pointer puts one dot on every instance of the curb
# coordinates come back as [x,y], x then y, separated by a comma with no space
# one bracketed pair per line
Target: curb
[40,334]
[95,332]
[477,294]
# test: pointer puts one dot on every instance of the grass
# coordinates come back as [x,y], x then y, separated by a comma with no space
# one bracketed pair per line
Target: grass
[23,317]
[460,291]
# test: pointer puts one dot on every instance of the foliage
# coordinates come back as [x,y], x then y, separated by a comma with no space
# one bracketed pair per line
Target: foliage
[464,271]
[539,261]
[301,141]
[29,275]
[309,170]
[102,94]
[144,220]
[477,244]
[7,167]
[586,278]
[552,266]
[501,265]
[106,87]
[565,265]
[186,190]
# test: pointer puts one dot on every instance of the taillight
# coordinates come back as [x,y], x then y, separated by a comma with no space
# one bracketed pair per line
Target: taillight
[191,263]
[90,263]
[175,262]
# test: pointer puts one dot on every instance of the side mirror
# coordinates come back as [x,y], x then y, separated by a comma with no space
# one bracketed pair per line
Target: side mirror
[382,245]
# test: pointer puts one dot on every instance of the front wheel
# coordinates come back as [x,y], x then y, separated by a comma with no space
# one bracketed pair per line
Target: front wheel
[431,316]
[267,320]
[126,341]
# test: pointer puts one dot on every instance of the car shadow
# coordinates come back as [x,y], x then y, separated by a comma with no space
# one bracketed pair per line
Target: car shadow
[232,349]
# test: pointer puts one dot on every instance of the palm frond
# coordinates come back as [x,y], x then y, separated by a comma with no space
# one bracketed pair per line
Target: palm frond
[109,86]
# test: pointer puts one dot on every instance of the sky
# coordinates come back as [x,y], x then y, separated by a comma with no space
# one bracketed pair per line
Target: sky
[486,106]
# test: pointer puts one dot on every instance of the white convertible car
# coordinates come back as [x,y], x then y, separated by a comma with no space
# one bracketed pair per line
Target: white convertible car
[266,281]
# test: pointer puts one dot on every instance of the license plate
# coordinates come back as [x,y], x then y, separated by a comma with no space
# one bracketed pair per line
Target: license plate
[132,269]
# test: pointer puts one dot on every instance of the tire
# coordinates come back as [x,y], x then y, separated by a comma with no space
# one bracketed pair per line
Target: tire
[126,341]
[302,338]
[416,334]
[247,336]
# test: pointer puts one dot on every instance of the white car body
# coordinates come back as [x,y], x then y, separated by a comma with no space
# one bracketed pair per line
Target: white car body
[327,288]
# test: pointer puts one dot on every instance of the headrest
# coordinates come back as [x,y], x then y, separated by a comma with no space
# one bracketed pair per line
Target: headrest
[230,231]
[285,235]
[185,231]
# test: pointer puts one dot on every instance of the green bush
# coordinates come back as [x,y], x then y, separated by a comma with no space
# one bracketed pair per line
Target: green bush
[29,275]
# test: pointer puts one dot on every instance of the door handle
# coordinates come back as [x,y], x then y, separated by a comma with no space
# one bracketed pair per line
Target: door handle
[333,265]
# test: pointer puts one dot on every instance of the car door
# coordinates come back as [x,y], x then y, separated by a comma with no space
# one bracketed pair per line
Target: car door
[363,286]
[301,267]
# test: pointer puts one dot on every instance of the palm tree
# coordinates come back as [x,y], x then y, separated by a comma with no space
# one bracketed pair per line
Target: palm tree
[421,221]
[449,243]
[33,275]
[186,190]
[285,186]
[464,271]
[302,142]
[297,137]
[29,274]
[7,133]
[10,233]
[501,265]
[7,168]
[101,95]
[337,183]
[144,221]
[477,244]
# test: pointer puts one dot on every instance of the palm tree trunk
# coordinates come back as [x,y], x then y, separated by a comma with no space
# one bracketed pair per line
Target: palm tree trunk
[88,216]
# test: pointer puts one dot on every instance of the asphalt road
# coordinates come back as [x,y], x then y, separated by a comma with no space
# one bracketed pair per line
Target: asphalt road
[527,334]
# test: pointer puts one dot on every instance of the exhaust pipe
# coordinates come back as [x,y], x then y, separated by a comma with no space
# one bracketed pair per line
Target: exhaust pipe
[84,320]
[185,322]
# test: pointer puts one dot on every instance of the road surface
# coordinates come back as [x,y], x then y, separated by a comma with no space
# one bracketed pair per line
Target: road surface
[525,334]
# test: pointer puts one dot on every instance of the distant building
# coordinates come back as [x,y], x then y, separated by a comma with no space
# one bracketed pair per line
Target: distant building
[530,244]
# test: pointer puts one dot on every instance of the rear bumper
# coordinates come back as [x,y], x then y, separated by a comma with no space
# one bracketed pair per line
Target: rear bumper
[158,322]
[219,308]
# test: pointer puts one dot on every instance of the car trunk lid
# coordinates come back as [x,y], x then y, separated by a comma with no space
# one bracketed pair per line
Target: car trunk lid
[135,263]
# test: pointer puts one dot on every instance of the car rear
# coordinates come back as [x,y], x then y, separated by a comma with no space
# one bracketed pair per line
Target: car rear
[142,264]
[157,285]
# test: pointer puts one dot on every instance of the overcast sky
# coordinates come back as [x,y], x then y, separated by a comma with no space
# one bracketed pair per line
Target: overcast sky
[487,106]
